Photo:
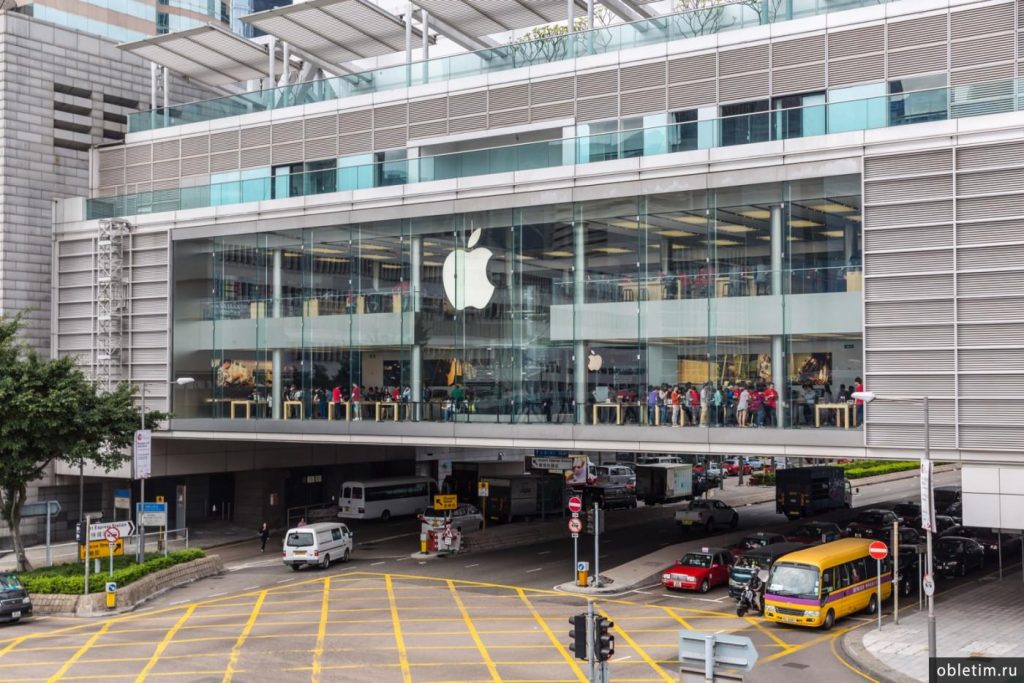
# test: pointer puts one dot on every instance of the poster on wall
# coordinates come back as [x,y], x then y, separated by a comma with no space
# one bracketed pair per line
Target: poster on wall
[242,375]
[811,368]
[731,368]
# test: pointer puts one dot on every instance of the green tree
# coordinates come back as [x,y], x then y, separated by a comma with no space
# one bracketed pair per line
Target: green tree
[50,411]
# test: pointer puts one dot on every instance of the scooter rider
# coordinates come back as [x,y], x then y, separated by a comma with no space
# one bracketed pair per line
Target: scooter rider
[756,587]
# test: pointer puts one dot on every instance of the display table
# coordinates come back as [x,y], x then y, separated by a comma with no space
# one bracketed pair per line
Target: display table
[842,413]
[288,405]
[383,406]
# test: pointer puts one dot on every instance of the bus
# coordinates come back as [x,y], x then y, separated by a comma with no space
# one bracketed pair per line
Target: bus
[385,498]
[816,586]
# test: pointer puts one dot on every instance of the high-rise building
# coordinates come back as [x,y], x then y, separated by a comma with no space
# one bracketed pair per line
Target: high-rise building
[530,241]
[126,20]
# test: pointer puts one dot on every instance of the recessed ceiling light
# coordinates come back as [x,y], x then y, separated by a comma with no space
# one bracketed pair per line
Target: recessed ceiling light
[676,233]
[375,257]
[558,254]
[435,264]
[757,213]
[373,247]
[680,246]
[726,243]
[766,238]
[853,218]
[331,259]
[832,208]
[622,223]
[612,250]
[390,266]
[803,223]
[790,238]
[688,219]
[524,257]
[429,253]
[833,233]
[325,250]
[736,229]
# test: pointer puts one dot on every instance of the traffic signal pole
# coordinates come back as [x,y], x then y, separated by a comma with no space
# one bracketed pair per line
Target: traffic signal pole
[592,629]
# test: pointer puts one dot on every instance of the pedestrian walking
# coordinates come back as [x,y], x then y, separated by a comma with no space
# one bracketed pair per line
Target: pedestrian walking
[264,536]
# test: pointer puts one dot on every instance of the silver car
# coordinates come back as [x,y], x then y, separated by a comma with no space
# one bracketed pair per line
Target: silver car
[465,517]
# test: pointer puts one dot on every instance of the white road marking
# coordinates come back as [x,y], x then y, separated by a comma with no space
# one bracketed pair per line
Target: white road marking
[402,559]
[468,566]
[217,595]
[530,571]
[251,588]
[374,564]
[544,552]
[622,659]
[284,580]
[386,538]
[178,602]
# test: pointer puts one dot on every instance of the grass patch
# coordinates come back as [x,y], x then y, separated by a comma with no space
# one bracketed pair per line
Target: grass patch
[69,579]
[869,468]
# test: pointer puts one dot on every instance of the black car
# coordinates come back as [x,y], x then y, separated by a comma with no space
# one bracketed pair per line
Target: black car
[15,602]
[989,540]
[956,511]
[907,511]
[869,522]
[945,497]
[910,548]
[810,533]
[956,555]
[609,497]
[942,522]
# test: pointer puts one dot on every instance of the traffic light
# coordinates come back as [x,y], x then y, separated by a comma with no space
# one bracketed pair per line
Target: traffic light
[604,647]
[590,522]
[578,646]
[79,536]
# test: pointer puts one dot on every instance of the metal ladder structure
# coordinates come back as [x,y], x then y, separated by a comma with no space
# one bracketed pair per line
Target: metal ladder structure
[111,302]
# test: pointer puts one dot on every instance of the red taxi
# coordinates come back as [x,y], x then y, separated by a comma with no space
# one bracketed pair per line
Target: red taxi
[699,570]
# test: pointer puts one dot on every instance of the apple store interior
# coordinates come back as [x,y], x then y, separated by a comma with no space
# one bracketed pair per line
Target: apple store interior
[571,312]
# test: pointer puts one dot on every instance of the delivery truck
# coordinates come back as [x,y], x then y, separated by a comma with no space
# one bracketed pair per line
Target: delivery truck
[664,482]
[807,491]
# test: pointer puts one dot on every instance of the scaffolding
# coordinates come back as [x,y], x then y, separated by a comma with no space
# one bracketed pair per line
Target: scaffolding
[111,307]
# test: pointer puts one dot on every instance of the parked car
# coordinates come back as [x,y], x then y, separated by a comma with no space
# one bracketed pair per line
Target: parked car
[810,533]
[609,497]
[465,517]
[755,464]
[910,541]
[733,466]
[707,514]
[700,571]
[942,522]
[955,511]
[946,497]
[956,556]
[989,539]
[907,511]
[759,559]
[615,475]
[869,522]
[317,544]
[756,541]
[15,602]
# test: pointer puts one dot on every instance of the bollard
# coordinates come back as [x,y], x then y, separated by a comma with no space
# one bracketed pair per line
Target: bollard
[423,544]
[583,574]
[111,595]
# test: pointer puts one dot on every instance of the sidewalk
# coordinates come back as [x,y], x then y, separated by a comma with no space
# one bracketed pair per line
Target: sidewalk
[981,622]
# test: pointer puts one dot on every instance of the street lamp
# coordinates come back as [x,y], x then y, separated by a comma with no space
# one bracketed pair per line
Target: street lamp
[141,554]
[928,516]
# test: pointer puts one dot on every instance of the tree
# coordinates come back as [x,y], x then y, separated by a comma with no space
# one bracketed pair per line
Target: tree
[50,411]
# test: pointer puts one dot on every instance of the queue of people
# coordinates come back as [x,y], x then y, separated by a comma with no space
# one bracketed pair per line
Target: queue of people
[744,404]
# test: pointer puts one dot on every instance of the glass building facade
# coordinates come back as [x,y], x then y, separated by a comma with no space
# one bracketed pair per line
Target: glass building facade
[557,313]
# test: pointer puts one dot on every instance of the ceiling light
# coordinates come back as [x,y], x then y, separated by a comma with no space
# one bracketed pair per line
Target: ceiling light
[558,254]
[833,233]
[429,253]
[766,238]
[790,238]
[434,264]
[373,247]
[326,250]
[833,208]
[611,250]
[757,213]
[680,246]
[622,223]
[390,266]
[375,257]
[688,219]
[726,243]
[524,257]
[803,223]
[676,233]
[331,259]
[736,229]
[853,218]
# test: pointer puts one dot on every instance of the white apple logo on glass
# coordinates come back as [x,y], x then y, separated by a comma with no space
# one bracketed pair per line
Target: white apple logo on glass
[594,361]
[471,289]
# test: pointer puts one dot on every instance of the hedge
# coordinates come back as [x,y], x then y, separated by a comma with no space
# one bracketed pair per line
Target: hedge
[870,468]
[69,579]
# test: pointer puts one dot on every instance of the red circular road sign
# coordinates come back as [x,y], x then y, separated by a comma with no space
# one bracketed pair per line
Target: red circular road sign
[111,534]
[575,525]
[575,504]
[878,550]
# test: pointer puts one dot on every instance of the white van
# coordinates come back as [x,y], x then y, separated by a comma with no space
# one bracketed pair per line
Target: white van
[318,544]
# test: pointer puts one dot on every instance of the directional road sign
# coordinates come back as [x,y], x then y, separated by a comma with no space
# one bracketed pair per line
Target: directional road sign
[98,532]
[928,584]
[38,509]
[575,504]
[151,514]
[446,502]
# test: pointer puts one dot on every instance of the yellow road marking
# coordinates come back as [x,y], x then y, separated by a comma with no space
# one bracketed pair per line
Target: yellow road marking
[168,637]
[321,630]
[760,627]
[832,646]
[551,636]
[473,632]
[396,624]
[13,644]
[671,612]
[640,651]
[229,672]
[803,646]
[78,654]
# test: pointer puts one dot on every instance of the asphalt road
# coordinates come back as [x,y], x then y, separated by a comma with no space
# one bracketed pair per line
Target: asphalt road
[388,616]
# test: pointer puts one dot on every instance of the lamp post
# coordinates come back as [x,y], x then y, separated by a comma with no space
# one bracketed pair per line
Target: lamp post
[928,516]
[141,554]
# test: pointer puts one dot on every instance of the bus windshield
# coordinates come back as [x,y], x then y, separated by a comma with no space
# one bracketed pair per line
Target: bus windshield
[794,581]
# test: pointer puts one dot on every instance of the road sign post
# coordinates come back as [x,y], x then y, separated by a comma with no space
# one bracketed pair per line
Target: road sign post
[597,546]
[48,509]
[878,551]
[143,461]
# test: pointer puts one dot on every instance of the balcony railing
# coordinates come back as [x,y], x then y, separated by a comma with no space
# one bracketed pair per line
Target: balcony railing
[704,21]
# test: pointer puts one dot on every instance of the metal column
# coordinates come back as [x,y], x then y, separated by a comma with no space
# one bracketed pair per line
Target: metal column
[416,362]
[932,648]
[570,10]
[578,299]
[271,50]
[277,385]
[408,33]
[152,84]
[778,367]
[425,28]
[286,57]
[590,15]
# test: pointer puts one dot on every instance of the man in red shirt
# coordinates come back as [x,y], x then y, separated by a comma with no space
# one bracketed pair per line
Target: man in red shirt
[859,386]
[355,402]
[771,400]
[336,400]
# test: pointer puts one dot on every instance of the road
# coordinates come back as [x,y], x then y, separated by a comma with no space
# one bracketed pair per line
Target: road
[388,616]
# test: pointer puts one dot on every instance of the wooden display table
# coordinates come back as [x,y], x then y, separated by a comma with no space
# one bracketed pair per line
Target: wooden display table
[288,405]
[842,411]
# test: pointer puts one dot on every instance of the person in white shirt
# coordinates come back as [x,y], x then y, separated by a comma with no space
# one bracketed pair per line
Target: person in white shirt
[741,407]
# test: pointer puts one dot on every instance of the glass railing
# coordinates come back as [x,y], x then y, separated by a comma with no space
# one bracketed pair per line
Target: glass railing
[876,112]
[697,22]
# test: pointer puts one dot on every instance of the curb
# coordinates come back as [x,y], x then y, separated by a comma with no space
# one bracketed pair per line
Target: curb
[852,647]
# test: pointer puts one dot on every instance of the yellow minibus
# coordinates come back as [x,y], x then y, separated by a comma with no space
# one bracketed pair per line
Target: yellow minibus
[817,585]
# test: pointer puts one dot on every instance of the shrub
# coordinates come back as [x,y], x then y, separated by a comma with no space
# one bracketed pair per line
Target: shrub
[69,579]
[764,478]
[870,468]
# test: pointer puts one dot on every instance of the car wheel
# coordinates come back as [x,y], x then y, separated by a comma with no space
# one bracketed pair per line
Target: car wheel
[709,527]
[905,588]
[872,604]
[385,516]
[962,570]
[981,564]
[326,562]
[346,556]
[296,567]
[705,586]
[735,521]
[830,620]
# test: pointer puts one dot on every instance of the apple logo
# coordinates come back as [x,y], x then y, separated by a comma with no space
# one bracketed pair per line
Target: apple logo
[471,289]
[594,361]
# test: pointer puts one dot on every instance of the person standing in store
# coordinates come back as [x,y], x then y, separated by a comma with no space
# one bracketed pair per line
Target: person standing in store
[858,386]
[771,402]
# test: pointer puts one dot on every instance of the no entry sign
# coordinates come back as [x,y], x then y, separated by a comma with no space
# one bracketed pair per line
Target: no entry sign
[575,504]
[878,550]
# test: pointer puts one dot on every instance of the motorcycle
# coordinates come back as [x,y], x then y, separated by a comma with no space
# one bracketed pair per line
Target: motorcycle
[751,599]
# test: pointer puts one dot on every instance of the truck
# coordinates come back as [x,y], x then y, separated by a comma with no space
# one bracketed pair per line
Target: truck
[807,491]
[664,482]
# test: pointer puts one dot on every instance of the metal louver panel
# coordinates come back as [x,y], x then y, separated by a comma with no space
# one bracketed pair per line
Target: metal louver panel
[111,158]
[138,174]
[913,385]
[165,184]
[984,386]
[165,170]
[111,177]
[150,355]
[984,360]
[856,41]
[195,145]
[545,92]
[321,148]
[75,294]
[981,20]
[983,50]
[68,311]
[144,290]
[908,261]
[987,156]
[984,75]
[81,279]
[321,126]
[918,60]
[694,68]
[692,94]
[899,312]
[353,121]
[992,437]
[972,208]
[195,166]
[917,31]
[149,307]
[75,341]
[467,124]
[73,264]
[226,161]
[908,214]
[994,256]
[800,51]
[909,436]
[422,111]
[257,136]
[856,70]
[941,411]
[908,238]
[138,154]
[355,143]
[908,164]
[742,60]
[259,156]
[511,97]
[640,76]
[224,141]
[288,131]
[150,274]
[428,130]
[991,334]
[511,117]
[917,337]
[149,240]
[597,108]
[995,308]
[909,361]
[392,115]
[908,189]
[991,284]
[908,288]
[743,87]
[986,233]
[290,153]
[642,102]
[467,103]
[389,138]
[799,79]
[149,340]
[166,149]
[597,83]
[559,110]
[75,247]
